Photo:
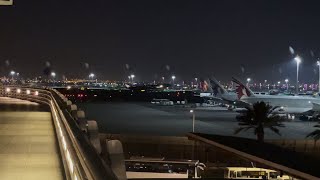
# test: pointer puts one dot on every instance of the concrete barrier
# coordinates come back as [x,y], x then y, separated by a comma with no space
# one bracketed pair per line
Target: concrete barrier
[93,133]
[81,120]
[115,151]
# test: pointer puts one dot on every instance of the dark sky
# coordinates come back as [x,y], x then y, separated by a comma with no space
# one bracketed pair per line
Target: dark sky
[195,38]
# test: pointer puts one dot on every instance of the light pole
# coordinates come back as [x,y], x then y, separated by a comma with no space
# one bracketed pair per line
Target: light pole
[318,63]
[12,74]
[53,74]
[173,77]
[248,81]
[132,76]
[298,60]
[193,119]
[91,75]
[287,80]
[196,79]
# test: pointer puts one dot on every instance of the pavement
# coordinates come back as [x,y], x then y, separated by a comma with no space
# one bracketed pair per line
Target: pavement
[148,119]
[28,147]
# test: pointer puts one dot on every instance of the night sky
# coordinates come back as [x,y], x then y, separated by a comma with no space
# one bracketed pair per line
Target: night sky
[195,38]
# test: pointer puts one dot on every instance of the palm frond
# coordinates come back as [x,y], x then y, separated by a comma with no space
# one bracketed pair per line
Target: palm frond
[315,134]
[276,130]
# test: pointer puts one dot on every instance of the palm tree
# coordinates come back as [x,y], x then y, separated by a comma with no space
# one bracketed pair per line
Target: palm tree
[315,134]
[259,117]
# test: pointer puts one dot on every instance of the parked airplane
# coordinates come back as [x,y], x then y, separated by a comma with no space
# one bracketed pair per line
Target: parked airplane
[288,104]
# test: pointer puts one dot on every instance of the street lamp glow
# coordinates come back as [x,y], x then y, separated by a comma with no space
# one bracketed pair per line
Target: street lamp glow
[91,75]
[191,111]
[248,79]
[297,59]
[287,80]
[12,73]
[132,76]
[53,74]
[28,91]
[279,82]
[173,77]
[18,91]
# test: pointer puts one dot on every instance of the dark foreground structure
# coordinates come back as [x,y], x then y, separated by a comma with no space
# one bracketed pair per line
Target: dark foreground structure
[292,163]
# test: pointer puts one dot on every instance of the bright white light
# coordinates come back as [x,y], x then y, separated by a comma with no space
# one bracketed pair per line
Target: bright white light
[18,91]
[286,80]
[279,82]
[53,74]
[7,89]
[36,93]
[28,91]
[173,77]
[318,63]
[91,75]
[132,76]
[297,59]
[68,87]
[248,79]
[191,111]
[196,79]
[12,73]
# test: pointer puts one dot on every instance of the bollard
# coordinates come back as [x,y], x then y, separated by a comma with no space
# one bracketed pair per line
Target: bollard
[69,103]
[82,122]
[116,157]
[73,110]
[93,134]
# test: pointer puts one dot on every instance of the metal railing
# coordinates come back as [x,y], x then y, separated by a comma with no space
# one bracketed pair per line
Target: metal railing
[80,158]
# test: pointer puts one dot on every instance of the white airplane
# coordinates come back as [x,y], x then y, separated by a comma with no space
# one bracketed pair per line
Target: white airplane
[288,104]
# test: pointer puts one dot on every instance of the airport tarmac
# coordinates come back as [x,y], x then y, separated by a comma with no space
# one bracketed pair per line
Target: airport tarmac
[148,119]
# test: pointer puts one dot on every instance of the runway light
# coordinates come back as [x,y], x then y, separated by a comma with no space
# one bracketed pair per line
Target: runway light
[7,89]
[36,93]
[28,91]
[18,91]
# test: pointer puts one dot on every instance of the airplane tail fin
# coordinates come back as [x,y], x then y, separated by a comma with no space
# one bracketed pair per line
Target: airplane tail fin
[217,88]
[241,89]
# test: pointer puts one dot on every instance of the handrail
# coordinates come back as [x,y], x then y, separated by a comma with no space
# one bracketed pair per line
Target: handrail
[79,157]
